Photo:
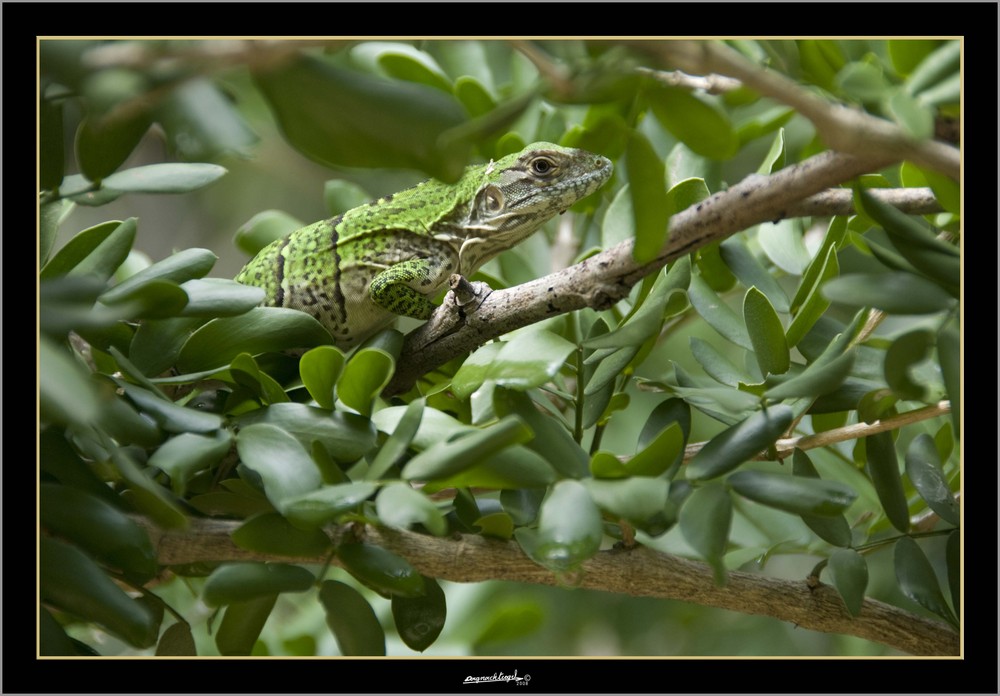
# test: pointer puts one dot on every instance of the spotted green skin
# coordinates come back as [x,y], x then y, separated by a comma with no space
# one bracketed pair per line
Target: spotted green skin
[356,272]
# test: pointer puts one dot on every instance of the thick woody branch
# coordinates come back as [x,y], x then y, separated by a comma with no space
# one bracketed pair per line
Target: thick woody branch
[842,128]
[639,572]
[604,279]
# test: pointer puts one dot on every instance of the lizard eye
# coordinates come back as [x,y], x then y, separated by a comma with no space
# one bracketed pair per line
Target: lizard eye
[542,165]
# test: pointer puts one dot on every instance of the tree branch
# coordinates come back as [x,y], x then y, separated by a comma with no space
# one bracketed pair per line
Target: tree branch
[640,572]
[842,128]
[607,277]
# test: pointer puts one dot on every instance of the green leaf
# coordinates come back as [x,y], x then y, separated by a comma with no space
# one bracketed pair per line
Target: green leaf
[97,251]
[284,465]
[270,533]
[915,118]
[718,366]
[474,370]
[862,81]
[184,455]
[316,508]
[514,467]
[394,449]
[65,394]
[766,333]
[751,272]
[552,440]
[883,468]
[174,177]
[704,520]
[647,186]
[813,304]
[935,67]
[177,641]
[949,348]
[832,529]
[696,122]
[103,143]
[263,228]
[953,557]
[637,499]
[923,467]
[775,157]
[346,436]
[202,122]
[242,582]
[352,620]
[167,414]
[894,292]
[660,454]
[569,528]
[147,495]
[849,573]
[782,242]
[917,579]
[717,313]
[740,442]
[357,120]
[530,359]
[260,330]
[363,378]
[99,529]
[51,159]
[450,457]
[399,505]
[819,378]
[69,580]
[242,624]
[907,53]
[905,352]
[381,570]
[219,297]
[798,495]
[419,620]
[319,369]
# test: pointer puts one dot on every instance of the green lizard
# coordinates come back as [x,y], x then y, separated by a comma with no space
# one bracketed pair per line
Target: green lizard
[357,271]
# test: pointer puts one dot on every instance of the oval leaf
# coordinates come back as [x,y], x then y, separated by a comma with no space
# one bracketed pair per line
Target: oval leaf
[883,468]
[182,456]
[740,442]
[647,185]
[923,467]
[802,496]
[242,624]
[849,572]
[352,620]
[766,333]
[447,458]
[271,533]
[174,177]
[704,520]
[895,292]
[419,620]
[399,505]
[242,582]
[569,528]
[917,579]
[285,467]
[364,377]
[346,436]
[319,369]
[381,570]
[325,505]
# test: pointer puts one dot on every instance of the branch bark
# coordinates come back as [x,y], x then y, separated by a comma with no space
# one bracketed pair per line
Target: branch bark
[640,572]
[601,280]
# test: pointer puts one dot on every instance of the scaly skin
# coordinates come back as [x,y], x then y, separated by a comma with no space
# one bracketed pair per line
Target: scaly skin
[356,272]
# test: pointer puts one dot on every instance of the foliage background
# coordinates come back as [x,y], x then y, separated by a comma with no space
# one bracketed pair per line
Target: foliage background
[508,618]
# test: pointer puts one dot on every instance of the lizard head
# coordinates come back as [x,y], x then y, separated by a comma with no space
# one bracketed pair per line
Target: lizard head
[520,192]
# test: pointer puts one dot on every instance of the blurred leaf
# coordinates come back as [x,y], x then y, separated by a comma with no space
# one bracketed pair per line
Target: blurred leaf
[905,352]
[50,216]
[65,394]
[177,641]
[97,251]
[795,494]
[775,157]
[351,619]
[862,81]
[99,529]
[319,369]
[739,443]
[168,415]
[242,582]
[647,186]
[635,499]
[705,518]
[263,228]
[69,580]
[419,620]
[569,529]
[907,53]
[923,467]
[917,579]
[766,333]
[694,121]
[782,242]
[340,196]
[953,557]
[270,533]
[883,468]
[936,66]
[260,330]
[174,177]
[201,122]
[916,119]
[51,159]
[381,570]
[242,624]
[850,577]
[893,292]
[399,505]
[104,142]
[357,120]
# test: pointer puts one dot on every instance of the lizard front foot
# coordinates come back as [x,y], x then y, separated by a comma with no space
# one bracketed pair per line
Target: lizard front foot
[463,299]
